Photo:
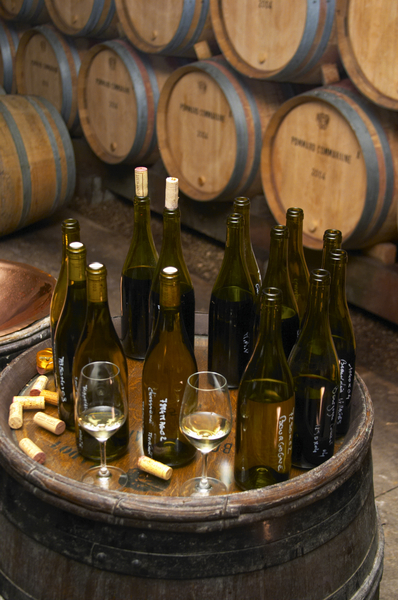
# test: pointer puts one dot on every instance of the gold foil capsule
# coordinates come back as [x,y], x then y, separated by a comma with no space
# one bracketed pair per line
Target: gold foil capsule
[44,361]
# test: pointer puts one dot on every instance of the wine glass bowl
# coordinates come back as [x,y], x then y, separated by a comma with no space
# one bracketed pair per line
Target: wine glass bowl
[206,421]
[101,409]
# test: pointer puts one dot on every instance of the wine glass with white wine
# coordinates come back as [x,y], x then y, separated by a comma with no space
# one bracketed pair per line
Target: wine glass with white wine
[206,421]
[101,409]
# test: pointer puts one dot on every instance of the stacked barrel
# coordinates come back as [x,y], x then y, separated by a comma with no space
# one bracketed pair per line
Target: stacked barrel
[297,100]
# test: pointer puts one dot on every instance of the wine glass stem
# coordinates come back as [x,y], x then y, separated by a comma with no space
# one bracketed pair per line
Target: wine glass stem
[204,482]
[103,472]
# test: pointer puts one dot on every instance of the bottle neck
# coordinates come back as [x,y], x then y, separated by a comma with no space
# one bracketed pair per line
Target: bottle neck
[338,284]
[171,230]
[295,235]
[277,263]
[317,313]
[69,236]
[97,292]
[270,323]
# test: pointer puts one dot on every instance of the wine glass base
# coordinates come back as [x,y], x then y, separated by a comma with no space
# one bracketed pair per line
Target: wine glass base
[193,487]
[115,480]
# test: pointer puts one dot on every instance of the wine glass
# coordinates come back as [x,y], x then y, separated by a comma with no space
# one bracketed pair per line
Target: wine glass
[205,420]
[101,409]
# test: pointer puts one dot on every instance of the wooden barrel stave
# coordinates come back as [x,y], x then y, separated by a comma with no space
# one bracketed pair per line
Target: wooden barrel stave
[88,18]
[33,12]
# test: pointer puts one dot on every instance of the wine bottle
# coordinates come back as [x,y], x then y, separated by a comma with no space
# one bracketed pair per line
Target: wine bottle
[277,275]
[171,256]
[342,334]
[265,406]
[99,341]
[70,233]
[169,362]
[137,274]
[297,266]
[69,329]
[231,311]
[332,239]
[242,205]
[315,368]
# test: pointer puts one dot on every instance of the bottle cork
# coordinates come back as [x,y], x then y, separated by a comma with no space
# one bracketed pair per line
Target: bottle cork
[15,417]
[39,385]
[171,196]
[32,450]
[154,467]
[50,397]
[50,423]
[31,402]
[141,182]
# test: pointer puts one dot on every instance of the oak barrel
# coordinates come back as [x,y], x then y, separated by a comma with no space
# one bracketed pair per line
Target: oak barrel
[370,60]
[93,18]
[47,64]
[335,154]
[210,123]
[316,536]
[170,27]
[32,12]
[118,93]
[10,34]
[37,161]
[283,41]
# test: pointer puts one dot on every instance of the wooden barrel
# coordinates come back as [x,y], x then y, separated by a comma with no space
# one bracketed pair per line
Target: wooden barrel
[33,12]
[170,27]
[315,536]
[10,34]
[47,64]
[37,160]
[210,124]
[93,18]
[335,155]
[370,60]
[284,41]
[118,92]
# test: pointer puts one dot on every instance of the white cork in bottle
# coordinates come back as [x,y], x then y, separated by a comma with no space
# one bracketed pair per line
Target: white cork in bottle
[141,182]
[31,402]
[33,451]
[154,467]
[15,417]
[171,196]
[50,423]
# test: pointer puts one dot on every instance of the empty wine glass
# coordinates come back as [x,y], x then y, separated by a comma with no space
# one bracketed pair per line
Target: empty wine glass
[101,409]
[205,420]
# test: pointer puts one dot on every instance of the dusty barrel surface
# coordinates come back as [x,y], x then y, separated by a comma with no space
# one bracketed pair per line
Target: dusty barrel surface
[313,537]
[91,18]
[334,154]
[284,41]
[170,27]
[37,155]
[210,123]
[33,12]
[370,60]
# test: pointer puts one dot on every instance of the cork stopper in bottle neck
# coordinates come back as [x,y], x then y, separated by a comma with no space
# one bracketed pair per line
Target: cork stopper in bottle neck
[141,182]
[171,196]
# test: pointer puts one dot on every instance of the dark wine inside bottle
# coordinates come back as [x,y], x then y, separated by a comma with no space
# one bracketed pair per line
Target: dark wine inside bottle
[135,289]
[290,326]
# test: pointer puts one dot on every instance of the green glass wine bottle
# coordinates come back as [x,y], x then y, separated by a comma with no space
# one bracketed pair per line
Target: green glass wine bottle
[137,274]
[171,255]
[169,362]
[332,239]
[69,329]
[298,270]
[232,309]
[277,275]
[242,205]
[70,233]
[342,334]
[99,341]
[265,406]
[315,368]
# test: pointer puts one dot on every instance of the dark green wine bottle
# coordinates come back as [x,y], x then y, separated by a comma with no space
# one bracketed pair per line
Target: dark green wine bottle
[277,275]
[265,407]
[343,335]
[99,341]
[70,233]
[315,368]
[137,274]
[242,205]
[332,239]
[297,266]
[69,329]
[231,311]
[169,362]
[171,256]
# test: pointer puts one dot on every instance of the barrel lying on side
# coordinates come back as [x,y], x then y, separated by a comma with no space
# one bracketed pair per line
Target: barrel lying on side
[335,155]
[10,34]
[84,17]
[33,12]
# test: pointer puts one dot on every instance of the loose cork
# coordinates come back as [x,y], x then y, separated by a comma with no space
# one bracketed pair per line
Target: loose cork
[39,385]
[50,397]
[31,402]
[15,417]
[33,451]
[154,467]
[171,196]
[50,423]
[141,182]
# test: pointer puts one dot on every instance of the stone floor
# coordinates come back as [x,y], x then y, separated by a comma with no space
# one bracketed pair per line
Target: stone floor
[106,228]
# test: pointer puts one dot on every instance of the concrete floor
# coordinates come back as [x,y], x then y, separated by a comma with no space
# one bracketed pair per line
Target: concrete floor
[377,361]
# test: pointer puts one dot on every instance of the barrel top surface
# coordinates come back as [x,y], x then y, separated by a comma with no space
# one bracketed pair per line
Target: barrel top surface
[148,498]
